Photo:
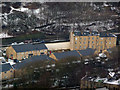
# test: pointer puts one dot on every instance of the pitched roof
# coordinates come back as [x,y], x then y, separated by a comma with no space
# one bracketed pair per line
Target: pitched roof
[103,34]
[78,33]
[31,60]
[5,67]
[28,47]
[66,54]
[93,33]
[87,52]
[86,34]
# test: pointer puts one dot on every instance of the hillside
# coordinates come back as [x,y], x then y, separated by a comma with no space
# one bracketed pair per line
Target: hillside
[58,18]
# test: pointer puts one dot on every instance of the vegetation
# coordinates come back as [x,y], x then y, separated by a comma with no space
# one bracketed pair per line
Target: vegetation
[56,12]
[22,38]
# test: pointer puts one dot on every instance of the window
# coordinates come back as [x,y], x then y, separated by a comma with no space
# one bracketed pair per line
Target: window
[5,77]
[101,42]
[80,42]
[84,42]
[11,71]
[80,46]
[101,47]
[109,42]
[92,38]
[84,38]
[109,38]
[11,75]
[92,46]
[76,38]
[114,42]
[30,54]
[84,46]
[75,42]
[80,38]
[42,53]
[11,55]
[92,41]
[75,47]
[89,38]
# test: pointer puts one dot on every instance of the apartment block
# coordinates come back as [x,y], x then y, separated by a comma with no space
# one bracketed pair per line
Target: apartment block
[99,41]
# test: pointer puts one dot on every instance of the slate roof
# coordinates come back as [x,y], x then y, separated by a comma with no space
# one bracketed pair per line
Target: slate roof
[86,34]
[77,33]
[66,54]
[102,34]
[5,67]
[31,60]
[28,47]
[93,33]
[87,52]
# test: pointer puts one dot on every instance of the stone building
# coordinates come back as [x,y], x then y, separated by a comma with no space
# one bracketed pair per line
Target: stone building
[23,51]
[93,83]
[94,40]
[63,55]
[7,71]
[74,53]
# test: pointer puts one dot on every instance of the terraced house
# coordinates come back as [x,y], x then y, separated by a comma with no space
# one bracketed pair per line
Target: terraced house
[23,51]
[72,54]
[94,40]
[7,71]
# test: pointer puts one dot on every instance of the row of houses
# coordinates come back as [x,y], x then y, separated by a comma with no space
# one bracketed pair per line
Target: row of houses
[75,53]
[8,70]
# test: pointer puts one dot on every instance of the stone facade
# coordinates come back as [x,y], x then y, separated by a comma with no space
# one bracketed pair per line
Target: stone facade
[7,74]
[12,54]
[84,84]
[80,42]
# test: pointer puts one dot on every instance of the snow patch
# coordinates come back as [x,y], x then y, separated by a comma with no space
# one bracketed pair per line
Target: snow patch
[5,35]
